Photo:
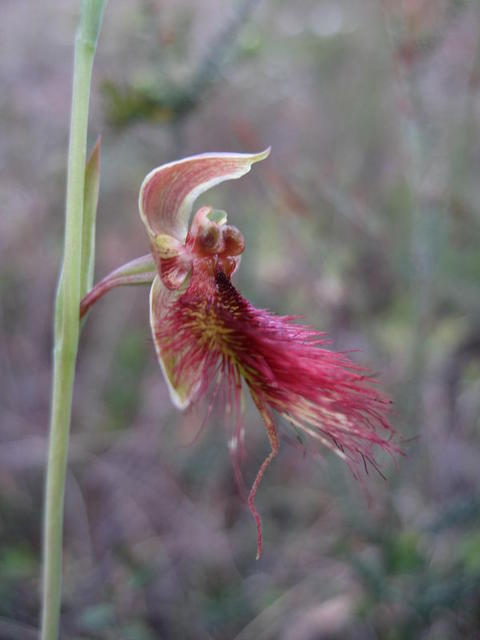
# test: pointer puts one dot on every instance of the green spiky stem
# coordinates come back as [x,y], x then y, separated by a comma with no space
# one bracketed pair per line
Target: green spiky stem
[67,318]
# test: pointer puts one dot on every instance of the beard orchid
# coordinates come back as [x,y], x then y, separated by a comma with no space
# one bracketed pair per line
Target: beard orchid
[210,340]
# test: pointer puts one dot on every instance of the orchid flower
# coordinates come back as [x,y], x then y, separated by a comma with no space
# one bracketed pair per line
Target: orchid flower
[211,340]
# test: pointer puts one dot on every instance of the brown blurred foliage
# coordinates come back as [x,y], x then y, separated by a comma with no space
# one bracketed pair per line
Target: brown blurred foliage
[366,219]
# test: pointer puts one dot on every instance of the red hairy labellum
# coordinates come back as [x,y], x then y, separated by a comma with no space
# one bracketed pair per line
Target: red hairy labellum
[218,338]
[209,339]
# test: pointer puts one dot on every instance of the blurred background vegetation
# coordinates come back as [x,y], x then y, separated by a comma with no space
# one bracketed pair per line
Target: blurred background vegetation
[366,219]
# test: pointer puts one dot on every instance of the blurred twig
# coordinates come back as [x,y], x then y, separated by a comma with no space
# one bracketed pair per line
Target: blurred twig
[128,104]
[271,621]
[416,150]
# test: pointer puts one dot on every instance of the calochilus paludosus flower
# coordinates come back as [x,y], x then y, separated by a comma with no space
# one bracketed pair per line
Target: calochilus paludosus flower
[210,341]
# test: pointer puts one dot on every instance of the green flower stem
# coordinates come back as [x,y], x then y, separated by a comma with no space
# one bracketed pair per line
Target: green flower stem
[67,317]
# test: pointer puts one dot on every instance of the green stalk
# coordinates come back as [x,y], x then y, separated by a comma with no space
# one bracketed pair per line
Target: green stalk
[67,318]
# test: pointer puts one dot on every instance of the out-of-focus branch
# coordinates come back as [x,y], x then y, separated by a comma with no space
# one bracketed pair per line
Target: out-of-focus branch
[128,104]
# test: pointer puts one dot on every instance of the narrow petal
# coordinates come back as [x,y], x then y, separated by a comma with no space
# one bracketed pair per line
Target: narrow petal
[139,271]
[168,192]
[181,386]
